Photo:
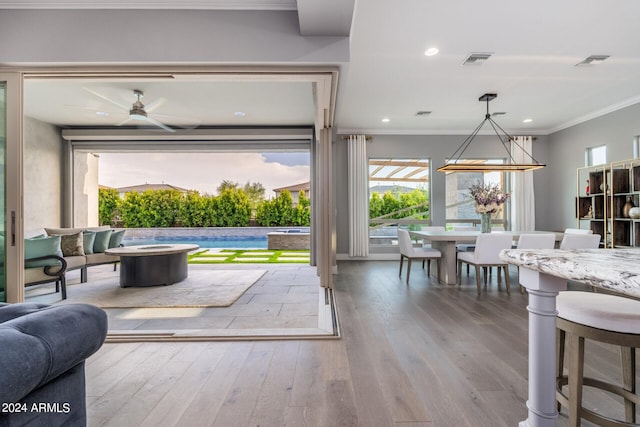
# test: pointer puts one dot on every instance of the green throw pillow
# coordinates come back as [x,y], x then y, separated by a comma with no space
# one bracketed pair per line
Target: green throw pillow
[116,238]
[88,239]
[43,246]
[101,243]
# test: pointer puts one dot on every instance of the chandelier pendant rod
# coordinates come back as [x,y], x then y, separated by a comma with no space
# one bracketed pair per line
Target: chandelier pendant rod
[461,149]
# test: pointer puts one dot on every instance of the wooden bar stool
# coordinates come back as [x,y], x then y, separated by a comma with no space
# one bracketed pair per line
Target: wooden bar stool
[603,318]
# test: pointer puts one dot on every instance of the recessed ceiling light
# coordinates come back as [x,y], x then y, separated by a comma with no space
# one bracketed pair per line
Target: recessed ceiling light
[386,120]
[431,51]
[102,114]
[239,114]
[527,120]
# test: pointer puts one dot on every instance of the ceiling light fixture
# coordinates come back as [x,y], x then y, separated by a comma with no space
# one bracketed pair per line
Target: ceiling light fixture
[527,120]
[386,120]
[431,51]
[456,164]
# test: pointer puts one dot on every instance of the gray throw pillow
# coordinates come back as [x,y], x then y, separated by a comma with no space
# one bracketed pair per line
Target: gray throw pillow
[72,244]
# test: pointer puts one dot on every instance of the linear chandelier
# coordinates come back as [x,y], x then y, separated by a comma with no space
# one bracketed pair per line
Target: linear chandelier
[454,164]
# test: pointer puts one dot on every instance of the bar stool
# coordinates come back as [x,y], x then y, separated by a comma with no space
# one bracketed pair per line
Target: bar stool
[603,318]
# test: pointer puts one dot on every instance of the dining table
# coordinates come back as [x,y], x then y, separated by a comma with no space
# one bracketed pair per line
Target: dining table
[544,273]
[446,242]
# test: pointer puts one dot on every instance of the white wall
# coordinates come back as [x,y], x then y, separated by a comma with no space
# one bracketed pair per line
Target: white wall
[85,190]
[43,160]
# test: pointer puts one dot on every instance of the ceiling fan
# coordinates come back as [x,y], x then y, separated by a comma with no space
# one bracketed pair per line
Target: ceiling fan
[138,111]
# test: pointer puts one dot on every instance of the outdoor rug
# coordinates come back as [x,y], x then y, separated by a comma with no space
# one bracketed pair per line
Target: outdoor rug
[202,288]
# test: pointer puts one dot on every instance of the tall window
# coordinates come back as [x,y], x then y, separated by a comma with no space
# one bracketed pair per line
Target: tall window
[460,208]
[399,196]
[596,155]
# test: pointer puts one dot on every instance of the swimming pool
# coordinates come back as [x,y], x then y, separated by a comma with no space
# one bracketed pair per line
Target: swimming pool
[226,242]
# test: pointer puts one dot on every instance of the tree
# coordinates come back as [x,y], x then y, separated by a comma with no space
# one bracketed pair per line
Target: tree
[226,185]
[233,208]
[108,200]
[255,192]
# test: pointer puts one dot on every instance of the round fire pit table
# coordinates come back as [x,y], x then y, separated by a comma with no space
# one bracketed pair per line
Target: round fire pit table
[152,265]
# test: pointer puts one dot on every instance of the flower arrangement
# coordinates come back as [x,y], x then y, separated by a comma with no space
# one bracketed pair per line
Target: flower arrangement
[489,198]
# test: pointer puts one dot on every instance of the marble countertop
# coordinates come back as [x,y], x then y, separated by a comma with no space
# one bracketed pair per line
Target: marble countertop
[615,269]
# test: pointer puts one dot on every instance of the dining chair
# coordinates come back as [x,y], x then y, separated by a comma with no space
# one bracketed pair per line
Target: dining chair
[580,241]
[407,250]
[536,241]
[487,254]
[578,231]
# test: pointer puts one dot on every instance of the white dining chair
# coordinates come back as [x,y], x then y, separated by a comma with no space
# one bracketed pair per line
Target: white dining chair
[407,250]
[487,254]
[580,241]
[578,231]
[535,241]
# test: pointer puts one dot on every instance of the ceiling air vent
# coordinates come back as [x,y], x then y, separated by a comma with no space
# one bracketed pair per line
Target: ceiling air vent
[476,58]
[499,113]
[592,60]
[423,113]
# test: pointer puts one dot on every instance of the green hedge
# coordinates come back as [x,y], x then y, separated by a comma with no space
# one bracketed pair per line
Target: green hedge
[171,208]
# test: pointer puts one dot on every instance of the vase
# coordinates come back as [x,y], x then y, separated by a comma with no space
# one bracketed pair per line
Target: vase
[485,222]
[627,207]
[634,213]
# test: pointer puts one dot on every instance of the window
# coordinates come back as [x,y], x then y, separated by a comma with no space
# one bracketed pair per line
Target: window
[460,208]
[398,197]
[596,155]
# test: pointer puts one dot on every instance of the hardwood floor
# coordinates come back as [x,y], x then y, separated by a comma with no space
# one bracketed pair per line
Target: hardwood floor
[412,355]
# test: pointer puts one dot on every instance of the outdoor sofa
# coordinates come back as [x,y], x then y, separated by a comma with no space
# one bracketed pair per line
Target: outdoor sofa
[51,252]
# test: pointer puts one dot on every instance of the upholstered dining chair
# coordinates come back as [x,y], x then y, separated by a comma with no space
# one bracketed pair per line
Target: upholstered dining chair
[407,250]
[578,231]
[580,241]
[536,241]
[487,254]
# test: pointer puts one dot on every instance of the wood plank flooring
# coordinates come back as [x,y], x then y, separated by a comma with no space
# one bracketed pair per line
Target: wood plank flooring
[417,355]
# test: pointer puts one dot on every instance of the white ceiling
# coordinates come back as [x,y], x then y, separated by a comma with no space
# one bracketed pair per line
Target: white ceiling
[534,46]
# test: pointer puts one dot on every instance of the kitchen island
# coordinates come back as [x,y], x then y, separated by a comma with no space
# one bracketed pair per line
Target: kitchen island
[545,272]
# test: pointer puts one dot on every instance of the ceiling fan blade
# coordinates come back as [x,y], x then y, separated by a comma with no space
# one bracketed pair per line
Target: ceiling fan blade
[155,104]
[128,119]
[101,96]
[157,123]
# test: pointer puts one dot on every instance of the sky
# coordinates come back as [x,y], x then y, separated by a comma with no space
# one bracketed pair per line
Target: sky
[204,171]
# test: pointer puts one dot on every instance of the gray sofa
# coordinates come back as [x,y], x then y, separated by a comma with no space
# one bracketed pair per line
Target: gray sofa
[50,266]
[44,349]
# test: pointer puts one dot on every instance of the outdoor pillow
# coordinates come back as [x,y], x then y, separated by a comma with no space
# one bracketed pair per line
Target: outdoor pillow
[72,244]
[101,243]
[116,238]
[88,239]
[44,246]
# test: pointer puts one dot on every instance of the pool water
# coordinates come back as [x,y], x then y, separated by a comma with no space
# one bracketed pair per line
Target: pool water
[225,242]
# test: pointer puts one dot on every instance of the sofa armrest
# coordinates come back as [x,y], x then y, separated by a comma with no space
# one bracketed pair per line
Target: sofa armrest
[49,270]
[11,311]
[46,343]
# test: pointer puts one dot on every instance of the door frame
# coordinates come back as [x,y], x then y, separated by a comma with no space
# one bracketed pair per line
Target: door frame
[14,244]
